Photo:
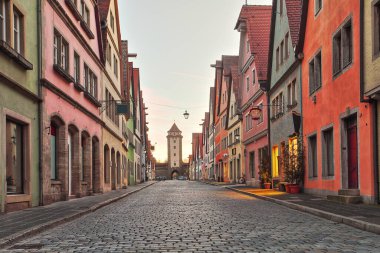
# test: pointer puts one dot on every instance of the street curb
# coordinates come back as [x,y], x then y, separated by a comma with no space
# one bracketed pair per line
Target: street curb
[10,240]
[362,225]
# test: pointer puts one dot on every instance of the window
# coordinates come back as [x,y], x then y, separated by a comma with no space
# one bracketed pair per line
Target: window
[85,13]
[115,67]
[86,77]
[247,80]
[17,31]
[317,6]
[90,82]
[281,7]
[247,44]
[174,147]
[277,58]
[376,28]
[61,51]
[254,76]
[252,164]
[56,49]
[292,94]
[342,48]
[248,122]
[315,73]
[53,152]
[108,53]
[287,45]
[76,68]
[312,156]
[261,119]
[328,152]
[282,52]
[112,22]
[3,21]
[175,154]
[15,161]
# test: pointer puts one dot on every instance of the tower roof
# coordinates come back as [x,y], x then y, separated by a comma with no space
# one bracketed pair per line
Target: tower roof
[174,129]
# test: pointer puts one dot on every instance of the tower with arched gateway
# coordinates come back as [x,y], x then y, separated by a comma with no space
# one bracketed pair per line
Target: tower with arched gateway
[174,167]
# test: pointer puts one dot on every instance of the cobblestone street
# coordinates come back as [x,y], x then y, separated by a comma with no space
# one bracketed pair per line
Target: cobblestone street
[182,216]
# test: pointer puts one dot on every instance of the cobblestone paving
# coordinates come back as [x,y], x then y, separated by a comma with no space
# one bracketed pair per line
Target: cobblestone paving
[181,216]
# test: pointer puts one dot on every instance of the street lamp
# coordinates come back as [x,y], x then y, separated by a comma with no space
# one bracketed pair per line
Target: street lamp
[186,115]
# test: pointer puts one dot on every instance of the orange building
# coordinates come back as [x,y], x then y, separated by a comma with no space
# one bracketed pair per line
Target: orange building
[337,123]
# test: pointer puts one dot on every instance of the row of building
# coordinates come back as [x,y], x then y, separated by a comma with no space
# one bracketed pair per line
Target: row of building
[307,74]
[72,115]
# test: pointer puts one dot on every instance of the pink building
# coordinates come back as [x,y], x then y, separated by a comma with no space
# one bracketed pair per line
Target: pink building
[254,27]
[71,78]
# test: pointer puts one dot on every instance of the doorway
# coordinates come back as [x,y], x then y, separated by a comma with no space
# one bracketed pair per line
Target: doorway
[352,153]
[69,147]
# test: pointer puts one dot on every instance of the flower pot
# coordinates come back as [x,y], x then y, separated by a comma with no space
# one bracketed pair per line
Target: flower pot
[287,188]
[294,189]
[267,185]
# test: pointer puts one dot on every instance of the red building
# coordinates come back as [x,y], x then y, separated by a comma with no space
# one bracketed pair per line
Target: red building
[221,105]
[71,91]
[337,123]
[254,27]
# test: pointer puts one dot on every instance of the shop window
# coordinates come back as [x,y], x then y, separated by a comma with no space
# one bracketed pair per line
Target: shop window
[252,164]
[15,157]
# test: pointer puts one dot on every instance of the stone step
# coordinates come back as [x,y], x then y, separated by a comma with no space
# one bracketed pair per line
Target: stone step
[345,199]
[349,192]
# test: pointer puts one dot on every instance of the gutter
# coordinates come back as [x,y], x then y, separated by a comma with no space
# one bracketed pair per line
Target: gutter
[40,120]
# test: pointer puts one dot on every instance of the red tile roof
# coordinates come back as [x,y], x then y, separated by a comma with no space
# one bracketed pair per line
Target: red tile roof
[258,20]
[174,128]
[294,13]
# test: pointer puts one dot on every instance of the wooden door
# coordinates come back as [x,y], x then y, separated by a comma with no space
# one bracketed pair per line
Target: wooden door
[352,156]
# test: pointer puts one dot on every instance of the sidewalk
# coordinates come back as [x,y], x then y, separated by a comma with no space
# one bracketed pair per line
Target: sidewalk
[361,216]
[17,225]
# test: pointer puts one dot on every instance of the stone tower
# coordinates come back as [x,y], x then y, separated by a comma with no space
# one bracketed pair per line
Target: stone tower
[174,147]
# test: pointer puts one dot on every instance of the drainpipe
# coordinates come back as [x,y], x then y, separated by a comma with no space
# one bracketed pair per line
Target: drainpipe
[40,123]
[375,153]
[362,99]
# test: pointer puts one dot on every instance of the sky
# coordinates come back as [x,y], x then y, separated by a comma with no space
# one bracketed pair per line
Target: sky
[176,41]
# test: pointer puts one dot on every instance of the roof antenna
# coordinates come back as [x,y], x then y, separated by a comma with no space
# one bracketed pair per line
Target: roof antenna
[246,2]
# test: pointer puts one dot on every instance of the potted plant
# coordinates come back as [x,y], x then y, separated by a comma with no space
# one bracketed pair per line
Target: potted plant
[264,171]
[293,162]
